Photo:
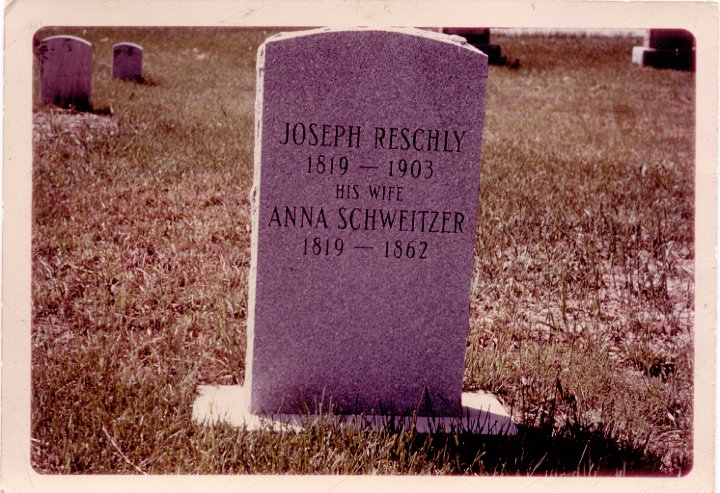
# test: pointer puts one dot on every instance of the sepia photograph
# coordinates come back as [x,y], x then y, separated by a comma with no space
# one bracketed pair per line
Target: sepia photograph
[447,248]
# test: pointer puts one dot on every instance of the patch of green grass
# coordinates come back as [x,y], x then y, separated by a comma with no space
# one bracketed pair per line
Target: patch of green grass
[582,298]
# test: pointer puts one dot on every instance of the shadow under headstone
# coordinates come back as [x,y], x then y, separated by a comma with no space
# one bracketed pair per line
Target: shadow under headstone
[484,440]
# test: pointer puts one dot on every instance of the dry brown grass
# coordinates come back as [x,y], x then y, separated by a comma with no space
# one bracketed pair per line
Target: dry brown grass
[581,312]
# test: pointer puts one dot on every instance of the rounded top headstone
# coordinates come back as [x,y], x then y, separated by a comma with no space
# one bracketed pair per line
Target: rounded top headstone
[127,45]
[408,31]
[63,37]
[66,71]
[366,187]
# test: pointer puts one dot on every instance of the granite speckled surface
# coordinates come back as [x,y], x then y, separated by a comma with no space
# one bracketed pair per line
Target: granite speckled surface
[367,168]
[127,61]
[66,72]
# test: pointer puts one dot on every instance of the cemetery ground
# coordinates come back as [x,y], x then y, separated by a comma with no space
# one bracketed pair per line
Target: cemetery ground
[581,316]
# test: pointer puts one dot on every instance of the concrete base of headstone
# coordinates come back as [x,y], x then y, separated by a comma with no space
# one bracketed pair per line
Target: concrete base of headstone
[482,414]
[638,53]
[664,58]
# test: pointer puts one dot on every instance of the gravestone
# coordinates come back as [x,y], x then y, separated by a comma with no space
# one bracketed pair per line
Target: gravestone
[66,72]
[367,167]
[666,48]
[479,37]
[127,61]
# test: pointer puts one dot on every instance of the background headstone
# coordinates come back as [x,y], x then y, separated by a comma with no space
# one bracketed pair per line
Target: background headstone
[365,199]
[666,48]
[670,39]
[479,37]
[127,61]
[66,72]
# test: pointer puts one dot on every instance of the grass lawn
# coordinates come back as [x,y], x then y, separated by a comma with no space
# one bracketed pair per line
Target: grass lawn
[582,295]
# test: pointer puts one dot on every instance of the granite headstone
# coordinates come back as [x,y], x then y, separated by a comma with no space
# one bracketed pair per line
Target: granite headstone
[666,48]
[479,37]
[66,72]
[127,61]
[365,195]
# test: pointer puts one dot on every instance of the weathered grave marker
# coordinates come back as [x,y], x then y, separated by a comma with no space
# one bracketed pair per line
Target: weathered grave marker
[666,48]
[66,72]
[479,37]
[127,61]
[364,215]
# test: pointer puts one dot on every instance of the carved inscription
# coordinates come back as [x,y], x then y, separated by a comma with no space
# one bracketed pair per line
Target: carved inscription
[417,159]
